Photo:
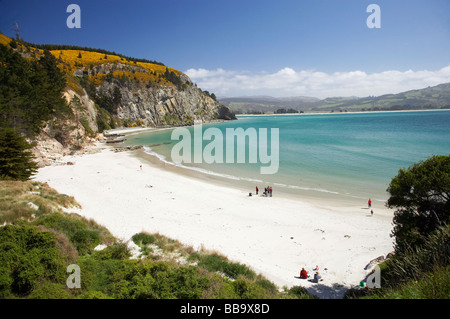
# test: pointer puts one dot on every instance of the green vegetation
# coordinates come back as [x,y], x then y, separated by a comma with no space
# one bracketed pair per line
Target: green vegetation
[215,262]
[174,78]
[16,161]
[28,257]
[31,91]
[421,196]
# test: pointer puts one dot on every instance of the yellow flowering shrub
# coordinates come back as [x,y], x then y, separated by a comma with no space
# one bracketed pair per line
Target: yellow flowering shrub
[4,39]
[71,60]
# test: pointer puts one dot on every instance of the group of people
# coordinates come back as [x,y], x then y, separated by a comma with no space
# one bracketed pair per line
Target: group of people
[317,276]
[267,191]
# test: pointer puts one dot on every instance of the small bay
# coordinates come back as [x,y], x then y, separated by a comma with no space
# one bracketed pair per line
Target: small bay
[339,156]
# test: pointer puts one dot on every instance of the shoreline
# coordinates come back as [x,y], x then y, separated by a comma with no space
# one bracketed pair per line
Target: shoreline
[314,194]
[348,112]
[274,236]
[326,199]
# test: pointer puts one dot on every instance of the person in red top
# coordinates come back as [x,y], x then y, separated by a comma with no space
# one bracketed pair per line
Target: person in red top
[303,274]
[369,203]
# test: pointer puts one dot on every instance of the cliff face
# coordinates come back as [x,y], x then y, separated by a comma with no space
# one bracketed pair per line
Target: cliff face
[105,90]
[163,105]
[113,95]
[144,94]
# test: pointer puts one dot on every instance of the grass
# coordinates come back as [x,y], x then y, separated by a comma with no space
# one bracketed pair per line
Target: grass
[432,285]
[15,199]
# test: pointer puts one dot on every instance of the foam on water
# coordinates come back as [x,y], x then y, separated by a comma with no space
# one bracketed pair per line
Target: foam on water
[351,155]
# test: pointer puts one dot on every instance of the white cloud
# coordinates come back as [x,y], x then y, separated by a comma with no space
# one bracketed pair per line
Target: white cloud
[289,82]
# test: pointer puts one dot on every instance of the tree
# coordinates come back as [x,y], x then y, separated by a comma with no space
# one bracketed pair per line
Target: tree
[30,91]
[421,196]
[16,161]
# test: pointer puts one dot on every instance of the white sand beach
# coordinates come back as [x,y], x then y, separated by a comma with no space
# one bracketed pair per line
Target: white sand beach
[276,236]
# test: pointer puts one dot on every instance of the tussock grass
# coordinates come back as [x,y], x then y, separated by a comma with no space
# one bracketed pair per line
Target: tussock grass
[15,197]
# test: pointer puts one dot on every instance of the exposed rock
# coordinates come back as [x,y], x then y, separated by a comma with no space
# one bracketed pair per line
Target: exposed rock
[149,105]
[159,106]
[126,148]
[33,206]
[374,262]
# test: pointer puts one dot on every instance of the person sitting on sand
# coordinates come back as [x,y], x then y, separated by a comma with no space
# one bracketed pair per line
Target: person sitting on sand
[317,277]
[303,274]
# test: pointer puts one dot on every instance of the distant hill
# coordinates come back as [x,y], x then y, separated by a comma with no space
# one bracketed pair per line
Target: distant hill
[436,97]
[265,104]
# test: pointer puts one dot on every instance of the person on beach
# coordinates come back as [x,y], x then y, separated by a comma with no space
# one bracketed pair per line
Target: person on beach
[270,192]
[317,277]
[371,212]
[369,203]
[303,274]
[257,190]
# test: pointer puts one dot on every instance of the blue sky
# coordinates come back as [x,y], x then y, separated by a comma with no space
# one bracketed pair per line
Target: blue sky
[251,47]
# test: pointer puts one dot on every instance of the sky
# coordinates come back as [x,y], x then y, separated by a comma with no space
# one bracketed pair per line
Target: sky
[318,48]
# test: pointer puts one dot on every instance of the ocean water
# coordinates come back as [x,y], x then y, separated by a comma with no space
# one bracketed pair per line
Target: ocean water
[344,156]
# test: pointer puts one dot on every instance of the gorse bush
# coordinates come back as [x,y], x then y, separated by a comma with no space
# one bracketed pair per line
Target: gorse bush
[218,263]
[27,257]
[143,239]
[84,235]
[85,240]
[158,280]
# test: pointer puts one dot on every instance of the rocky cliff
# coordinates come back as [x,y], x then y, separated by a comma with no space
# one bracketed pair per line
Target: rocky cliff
[152,104]
[106,91]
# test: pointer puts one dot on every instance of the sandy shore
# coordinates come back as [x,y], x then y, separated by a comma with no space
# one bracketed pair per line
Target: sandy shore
[275,236]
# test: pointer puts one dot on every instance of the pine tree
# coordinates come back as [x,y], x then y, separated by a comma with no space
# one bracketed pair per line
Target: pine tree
[16,161]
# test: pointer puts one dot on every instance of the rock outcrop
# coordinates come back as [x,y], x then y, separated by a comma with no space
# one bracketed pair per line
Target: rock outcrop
[157,105]
[135,102]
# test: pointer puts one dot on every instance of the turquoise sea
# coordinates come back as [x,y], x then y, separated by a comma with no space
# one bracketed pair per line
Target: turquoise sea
[342,156]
